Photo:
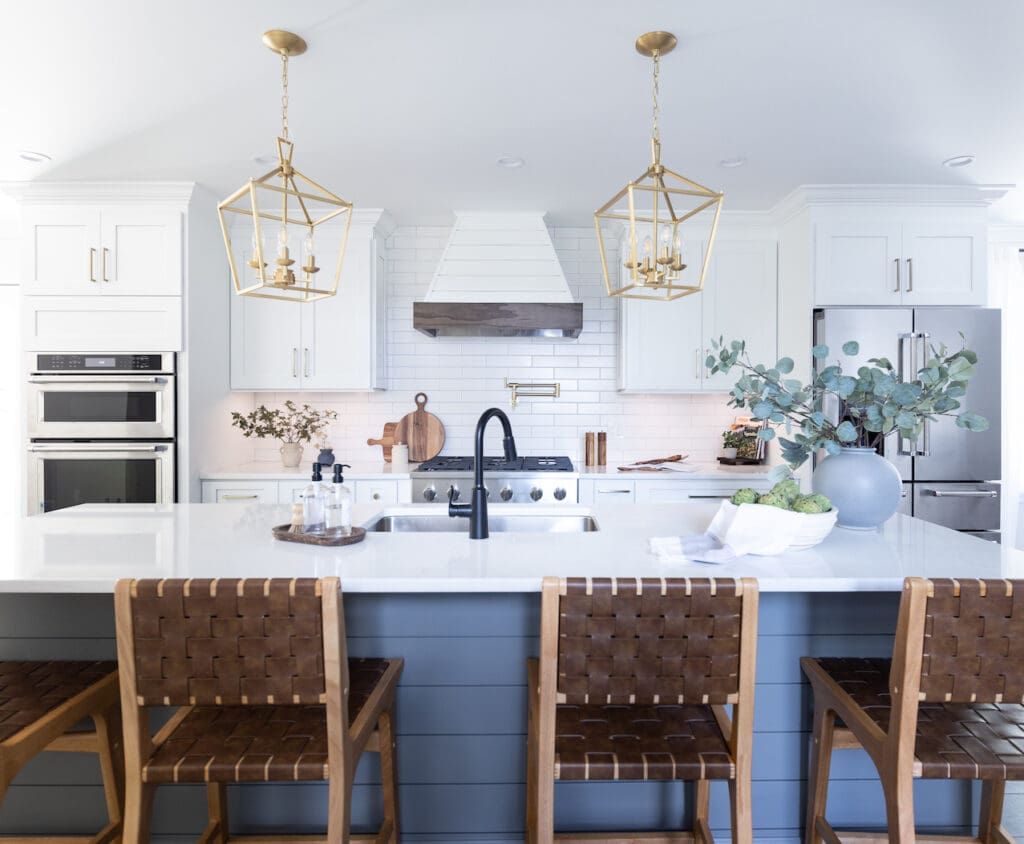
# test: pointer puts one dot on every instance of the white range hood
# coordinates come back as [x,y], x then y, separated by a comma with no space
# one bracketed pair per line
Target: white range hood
[499,276]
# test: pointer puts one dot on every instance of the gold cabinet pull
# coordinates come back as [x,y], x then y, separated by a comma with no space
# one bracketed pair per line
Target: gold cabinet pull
[92,264]
[910,275]
[305,363]
[103,264]
[295,362]
[238,497]
[897,288]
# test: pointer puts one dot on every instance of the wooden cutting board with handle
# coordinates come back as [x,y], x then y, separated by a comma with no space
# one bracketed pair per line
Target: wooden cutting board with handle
[422,431]
[386,441]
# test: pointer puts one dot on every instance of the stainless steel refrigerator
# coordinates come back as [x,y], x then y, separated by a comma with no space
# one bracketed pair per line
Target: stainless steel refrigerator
[951,476]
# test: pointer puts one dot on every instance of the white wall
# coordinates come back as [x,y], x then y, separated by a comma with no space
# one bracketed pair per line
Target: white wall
[464,376]
[11,451]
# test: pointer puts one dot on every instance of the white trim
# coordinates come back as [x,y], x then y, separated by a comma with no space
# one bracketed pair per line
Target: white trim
[963,195]
[99,193]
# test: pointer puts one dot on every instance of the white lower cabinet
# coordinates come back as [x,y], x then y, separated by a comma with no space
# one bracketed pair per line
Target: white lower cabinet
[257,491]
[239,492]
[595,491]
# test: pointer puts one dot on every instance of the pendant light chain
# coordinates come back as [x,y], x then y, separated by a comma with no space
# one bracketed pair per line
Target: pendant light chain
[284,95]
[655,128]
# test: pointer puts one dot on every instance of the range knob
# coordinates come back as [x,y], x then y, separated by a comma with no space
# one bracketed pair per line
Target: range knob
[506,493]
[429,494]
[559,494]
[536,493]
[453,492]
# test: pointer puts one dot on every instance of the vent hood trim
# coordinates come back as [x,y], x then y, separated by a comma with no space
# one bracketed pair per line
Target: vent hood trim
[498,319]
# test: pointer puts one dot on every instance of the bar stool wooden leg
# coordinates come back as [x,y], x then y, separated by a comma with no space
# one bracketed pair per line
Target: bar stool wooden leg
[899,808]
[990,815]
[389,773]
[216,831]
[138,811]
[111,753]
[818,773]
[339,808]
[701,808]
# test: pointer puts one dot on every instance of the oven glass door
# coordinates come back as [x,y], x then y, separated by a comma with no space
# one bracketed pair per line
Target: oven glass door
[65,474]
[122,407]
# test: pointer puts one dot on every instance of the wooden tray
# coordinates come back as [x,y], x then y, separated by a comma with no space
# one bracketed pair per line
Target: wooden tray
[284,532]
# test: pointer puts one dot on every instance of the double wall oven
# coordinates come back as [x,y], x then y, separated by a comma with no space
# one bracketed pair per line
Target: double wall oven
[101,428]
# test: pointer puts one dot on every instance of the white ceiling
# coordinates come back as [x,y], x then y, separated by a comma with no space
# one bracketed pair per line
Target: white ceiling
[408,104]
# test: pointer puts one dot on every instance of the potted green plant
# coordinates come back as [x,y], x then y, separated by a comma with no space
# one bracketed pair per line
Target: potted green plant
[731,442]
[869,406]
[292,426]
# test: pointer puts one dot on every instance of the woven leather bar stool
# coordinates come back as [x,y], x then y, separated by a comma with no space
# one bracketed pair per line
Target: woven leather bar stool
[41,703]
[632,684]
[948,705]
[266,692]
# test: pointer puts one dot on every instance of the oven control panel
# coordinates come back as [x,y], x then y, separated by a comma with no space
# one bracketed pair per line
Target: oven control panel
[99,363]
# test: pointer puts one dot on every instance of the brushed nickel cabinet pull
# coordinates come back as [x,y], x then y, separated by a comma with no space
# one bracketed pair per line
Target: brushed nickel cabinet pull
[305,362]
[238,497]
[897,288]
[92,264]
[696,368]
[103,264]
[910,275]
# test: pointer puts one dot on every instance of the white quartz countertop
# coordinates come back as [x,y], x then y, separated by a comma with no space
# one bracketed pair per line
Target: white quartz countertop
[87,548]
[267,470]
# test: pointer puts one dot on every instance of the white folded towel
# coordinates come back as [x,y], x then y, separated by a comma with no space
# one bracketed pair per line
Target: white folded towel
[733,532]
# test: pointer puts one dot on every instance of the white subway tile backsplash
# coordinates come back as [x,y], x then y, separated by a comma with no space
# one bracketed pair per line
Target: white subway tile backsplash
[464,375]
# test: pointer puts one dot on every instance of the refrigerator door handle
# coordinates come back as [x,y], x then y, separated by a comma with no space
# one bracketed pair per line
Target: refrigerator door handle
[925,448]
[962,493]
[907,359]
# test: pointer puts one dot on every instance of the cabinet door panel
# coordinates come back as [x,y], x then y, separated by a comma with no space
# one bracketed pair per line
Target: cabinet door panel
[662,345]
[376,492]
[945,264]
[239,492]
[265,344]
[338,332]
[856,263]
[739,301]
[61,254]
[141,252]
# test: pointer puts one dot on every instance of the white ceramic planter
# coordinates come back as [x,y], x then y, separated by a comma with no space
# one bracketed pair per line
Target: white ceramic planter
[291,454]
[862,485]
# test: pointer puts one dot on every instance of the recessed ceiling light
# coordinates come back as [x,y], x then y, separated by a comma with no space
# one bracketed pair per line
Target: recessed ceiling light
[34,157]
[735,161]
[511,162]
[958,161]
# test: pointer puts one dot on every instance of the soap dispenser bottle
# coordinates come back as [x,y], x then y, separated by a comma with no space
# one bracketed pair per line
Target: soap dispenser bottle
[339,503]
[313,504]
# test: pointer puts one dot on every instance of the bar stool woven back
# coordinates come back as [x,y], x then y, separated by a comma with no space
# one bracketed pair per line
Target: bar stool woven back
[259,671]
[632,684]
[948,705]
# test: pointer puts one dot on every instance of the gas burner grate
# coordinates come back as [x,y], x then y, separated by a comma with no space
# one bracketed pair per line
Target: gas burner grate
[498,464]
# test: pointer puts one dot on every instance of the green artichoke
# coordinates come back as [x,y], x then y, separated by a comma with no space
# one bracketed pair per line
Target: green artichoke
[773,499]
[788,489]
[744,496]
[807,504]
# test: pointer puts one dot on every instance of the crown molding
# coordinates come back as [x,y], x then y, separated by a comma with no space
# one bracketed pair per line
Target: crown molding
[96,193]
[805,196]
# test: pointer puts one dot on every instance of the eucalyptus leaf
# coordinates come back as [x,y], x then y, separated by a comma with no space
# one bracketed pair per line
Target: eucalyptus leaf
[820,352]
[851,348]
[785,365]
[846,432]
[763,409]
[766,434]
[832,448]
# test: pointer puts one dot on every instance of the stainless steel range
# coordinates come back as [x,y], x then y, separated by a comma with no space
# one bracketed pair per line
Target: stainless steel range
[548,480]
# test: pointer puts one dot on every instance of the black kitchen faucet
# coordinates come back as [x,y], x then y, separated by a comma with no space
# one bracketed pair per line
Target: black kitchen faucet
[476,510]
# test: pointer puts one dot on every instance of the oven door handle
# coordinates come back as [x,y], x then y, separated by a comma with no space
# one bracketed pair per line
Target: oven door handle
[89,379]
[98,448]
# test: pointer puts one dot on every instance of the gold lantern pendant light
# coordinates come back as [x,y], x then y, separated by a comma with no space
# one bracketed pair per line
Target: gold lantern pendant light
[284,196]
[653,257]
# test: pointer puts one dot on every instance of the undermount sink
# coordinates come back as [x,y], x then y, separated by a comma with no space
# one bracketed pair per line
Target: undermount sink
[497,523]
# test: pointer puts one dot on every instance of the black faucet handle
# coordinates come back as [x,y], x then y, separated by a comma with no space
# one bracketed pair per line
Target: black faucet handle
[455,510]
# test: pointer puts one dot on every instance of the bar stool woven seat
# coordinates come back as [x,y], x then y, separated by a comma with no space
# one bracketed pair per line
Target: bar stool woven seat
[948,705]
[632,684]
[257,743]
[41,705]
[265,693]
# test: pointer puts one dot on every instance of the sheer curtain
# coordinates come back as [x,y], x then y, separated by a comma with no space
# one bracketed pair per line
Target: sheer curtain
[1006,291]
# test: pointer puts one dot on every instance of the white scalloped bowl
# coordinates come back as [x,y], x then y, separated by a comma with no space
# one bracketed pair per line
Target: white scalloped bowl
[814,527]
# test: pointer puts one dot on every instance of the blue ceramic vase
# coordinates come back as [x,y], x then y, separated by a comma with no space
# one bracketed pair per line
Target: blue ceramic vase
[863,486]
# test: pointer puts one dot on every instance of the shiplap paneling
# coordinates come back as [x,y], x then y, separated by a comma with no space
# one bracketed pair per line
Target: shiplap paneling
[462,723]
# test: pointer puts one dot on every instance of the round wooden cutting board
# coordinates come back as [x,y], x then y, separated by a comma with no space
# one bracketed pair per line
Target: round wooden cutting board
[423,432]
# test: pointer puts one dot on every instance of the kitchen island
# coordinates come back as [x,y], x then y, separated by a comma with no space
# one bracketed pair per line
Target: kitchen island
[465,615]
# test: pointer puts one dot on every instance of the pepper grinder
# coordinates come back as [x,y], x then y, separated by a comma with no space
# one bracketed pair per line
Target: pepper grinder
[602,448]
[590,455]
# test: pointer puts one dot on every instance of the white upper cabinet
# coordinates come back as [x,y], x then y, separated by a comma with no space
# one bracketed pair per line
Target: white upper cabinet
[82,250]
[663,345]
[892,263]
[333,344]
